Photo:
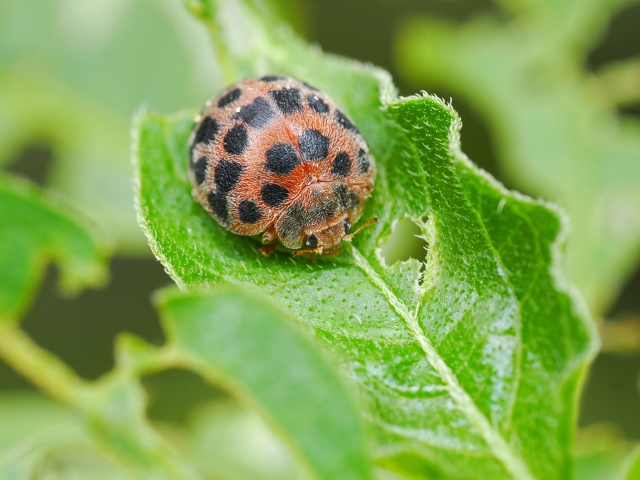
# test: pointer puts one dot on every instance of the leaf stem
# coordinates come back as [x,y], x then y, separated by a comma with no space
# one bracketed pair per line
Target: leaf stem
[206,10]
[42,368]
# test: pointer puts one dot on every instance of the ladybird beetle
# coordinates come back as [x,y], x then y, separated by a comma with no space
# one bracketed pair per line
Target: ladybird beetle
[275,155]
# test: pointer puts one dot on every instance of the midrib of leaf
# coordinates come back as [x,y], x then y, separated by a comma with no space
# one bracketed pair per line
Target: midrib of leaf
[512,462]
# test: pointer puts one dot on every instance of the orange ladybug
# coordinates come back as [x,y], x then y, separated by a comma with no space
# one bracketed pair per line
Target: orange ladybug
[275,155]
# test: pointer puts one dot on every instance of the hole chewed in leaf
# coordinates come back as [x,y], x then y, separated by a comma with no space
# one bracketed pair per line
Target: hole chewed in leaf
[404,243]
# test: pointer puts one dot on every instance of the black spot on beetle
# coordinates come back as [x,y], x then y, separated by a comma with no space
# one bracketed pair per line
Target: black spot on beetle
[273,194]
[317,104]
[219,205]
[341,165]
[345,122]
[257,114]
[249,212]
[287,99]
[236,140]
[347,198]
[313,145]
[200,169]
[271,78]
[227,175]
[207,131]
[230,97]
[364,164]
[282,158]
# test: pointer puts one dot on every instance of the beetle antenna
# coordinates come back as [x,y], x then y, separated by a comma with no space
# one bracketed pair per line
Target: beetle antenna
[349,237]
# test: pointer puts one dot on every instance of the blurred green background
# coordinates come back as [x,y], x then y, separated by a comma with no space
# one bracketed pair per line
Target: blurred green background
[73,72]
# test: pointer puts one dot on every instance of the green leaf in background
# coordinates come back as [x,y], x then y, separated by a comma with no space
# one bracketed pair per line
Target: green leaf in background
[225,441]
[633,465]
[42,439]
[467,369]
[37,228]
[556,126]
[246,347]
[599,453]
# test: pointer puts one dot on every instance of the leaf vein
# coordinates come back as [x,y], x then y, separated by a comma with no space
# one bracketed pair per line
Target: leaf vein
[512,462]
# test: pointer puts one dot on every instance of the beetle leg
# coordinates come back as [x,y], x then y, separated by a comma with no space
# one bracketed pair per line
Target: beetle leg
[269,235]
[267,250]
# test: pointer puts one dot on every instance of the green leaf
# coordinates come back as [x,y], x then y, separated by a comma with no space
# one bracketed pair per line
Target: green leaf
[218,445]
[115,412]
[599,453]
[41,439]
[633,465]
[246,346]
[555,124]
[469,369]
[38,228]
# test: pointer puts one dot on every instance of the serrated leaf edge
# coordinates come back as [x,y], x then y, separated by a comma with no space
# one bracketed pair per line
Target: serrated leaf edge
[498,445]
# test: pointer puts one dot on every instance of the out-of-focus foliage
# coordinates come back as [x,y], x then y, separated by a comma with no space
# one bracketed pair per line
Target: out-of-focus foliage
[633,465]
[246,347]
[72,72]
[34,230]
[226,441]
[599,453]
[555,124]
[42,439]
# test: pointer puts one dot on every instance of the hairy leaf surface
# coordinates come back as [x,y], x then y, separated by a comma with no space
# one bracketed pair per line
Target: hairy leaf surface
[468,367]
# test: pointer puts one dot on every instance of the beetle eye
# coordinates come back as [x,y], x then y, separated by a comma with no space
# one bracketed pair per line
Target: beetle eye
[347,225]
[312,241]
